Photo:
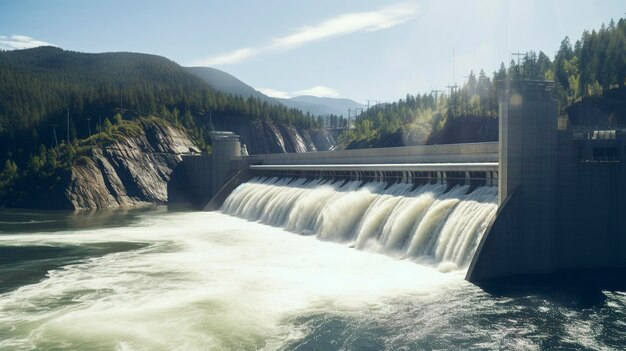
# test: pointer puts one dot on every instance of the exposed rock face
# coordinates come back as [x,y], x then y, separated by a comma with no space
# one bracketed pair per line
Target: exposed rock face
[466,129]
[135,171]
[606,110]
[131,171]
[268,137]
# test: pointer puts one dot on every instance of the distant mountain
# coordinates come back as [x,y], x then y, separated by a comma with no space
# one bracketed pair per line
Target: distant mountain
[226,82]
[321,105]
[47,87]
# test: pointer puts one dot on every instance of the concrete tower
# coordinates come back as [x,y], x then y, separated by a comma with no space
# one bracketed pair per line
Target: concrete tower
[225,145]
[521,240]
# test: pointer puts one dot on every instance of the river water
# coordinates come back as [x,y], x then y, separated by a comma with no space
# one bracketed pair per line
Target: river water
[154,279]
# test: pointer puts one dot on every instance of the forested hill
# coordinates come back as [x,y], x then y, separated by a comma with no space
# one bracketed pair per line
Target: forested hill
[38,86]
[590,77]
[227,83]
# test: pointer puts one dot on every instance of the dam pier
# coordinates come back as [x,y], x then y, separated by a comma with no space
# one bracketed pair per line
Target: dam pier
[560,189]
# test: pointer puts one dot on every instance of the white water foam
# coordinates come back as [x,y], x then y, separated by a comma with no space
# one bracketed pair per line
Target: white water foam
[425,223]
[202,281]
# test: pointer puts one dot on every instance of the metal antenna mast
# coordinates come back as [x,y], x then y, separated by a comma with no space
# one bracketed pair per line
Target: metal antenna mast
[453,78]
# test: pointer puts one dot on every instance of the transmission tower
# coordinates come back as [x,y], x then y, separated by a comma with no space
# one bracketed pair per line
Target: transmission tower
[519,54]
[437,92]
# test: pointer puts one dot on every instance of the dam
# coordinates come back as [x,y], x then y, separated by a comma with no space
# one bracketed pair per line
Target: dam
[548,198]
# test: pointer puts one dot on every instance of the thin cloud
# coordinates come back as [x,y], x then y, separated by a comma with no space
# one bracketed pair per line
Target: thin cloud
[230,57]
[16,42]
[333,27]
[318,90]
[347,24]
[275,93]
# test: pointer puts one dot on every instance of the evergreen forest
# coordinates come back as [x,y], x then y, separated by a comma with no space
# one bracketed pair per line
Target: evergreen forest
[590,67]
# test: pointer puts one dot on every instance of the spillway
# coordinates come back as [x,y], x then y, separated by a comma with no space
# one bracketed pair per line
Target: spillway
[432,223]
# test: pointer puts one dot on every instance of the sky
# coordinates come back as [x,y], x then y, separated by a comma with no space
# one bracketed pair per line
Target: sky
[358,49]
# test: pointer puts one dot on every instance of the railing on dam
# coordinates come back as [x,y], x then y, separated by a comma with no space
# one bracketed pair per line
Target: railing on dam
[450,153]
[475,163]
[485,173]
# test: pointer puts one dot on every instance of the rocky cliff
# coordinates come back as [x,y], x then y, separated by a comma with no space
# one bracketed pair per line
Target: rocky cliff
[130,171]
[135,167]
[466,129]
[267,137]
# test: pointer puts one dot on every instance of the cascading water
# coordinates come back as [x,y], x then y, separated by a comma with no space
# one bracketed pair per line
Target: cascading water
[425,223]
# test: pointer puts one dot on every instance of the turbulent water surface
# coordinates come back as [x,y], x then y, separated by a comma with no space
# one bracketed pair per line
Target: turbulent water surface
[164,280]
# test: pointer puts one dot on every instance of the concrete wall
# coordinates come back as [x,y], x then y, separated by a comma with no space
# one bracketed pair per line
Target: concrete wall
[562,200]
[474,152]
[225,146]
[521,241]
[592,207]
[196,171]
[199,177]
[209,178]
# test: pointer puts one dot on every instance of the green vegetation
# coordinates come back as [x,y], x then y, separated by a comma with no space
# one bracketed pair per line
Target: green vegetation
[55,105]
[594,65]
[48,167]
[40,86]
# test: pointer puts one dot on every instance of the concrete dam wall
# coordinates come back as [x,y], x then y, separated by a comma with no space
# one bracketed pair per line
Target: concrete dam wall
[560,193]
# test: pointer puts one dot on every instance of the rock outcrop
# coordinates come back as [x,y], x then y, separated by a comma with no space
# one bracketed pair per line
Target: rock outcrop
[134,170]
[131,171]
[268,137]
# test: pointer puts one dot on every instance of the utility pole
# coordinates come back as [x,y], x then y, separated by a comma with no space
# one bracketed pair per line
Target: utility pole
[54,136]
[89,128]
[436,91]
[452,89]
[349,115]
[519,54]
[377,102]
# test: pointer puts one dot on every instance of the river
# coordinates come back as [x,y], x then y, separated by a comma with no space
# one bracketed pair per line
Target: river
[158,279]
